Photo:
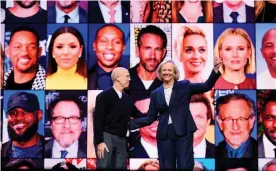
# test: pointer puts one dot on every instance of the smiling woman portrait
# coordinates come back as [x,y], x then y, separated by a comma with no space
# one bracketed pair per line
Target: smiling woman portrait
[67,67]
[237,53]
[191,49]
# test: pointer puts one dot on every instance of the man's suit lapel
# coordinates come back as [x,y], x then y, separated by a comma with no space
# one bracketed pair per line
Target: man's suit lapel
[125,12]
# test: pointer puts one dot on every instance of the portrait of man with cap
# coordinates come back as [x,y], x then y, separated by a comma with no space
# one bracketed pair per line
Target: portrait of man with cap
[23,116]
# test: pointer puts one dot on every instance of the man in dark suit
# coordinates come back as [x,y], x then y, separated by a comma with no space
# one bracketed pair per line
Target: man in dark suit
[113,110]
[65,114]
[67,12]
[170,105]
[202,113]
[146,145]
[236,118]
[230,11]
[267,141]
[107,11]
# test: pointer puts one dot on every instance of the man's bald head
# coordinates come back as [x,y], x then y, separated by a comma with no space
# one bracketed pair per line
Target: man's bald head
[117,72]
[268,50]
[268,34]
[121,78]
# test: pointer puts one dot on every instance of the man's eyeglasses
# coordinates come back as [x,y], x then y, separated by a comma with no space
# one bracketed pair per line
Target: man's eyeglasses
[61,120]
[240,121]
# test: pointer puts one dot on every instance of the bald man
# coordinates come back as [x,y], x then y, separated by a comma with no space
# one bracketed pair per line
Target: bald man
[267,78]
[113,110]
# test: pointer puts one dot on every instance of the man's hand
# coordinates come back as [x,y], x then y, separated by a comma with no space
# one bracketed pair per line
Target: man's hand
[218,65]
[100,150]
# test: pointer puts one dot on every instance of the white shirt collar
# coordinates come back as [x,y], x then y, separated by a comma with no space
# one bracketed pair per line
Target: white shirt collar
[72,150]
[74,15]
[150,149]
[106,15]
[120,94]
[227,11]
[200,149]
[268,148]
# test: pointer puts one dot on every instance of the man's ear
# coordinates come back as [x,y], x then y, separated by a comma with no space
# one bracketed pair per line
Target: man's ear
[137,51]
[164,53]
[39,52]
[39,114]
[219,122]
[7,51]
[94,46]
[262,52]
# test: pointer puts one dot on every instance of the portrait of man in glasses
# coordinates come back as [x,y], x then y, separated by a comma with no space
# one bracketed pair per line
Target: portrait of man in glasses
[66,114]
[235,115]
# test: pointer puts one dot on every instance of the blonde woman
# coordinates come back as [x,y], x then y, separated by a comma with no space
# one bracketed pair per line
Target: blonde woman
[265,11]
[237,53]
[192,11]
[191,47]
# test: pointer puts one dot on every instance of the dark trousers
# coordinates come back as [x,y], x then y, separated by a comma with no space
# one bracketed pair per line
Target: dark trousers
[176,152]
[117,155]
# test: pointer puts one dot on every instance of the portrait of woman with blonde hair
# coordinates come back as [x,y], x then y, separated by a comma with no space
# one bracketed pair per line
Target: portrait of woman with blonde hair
[192,11]
[265,11]
[192,52]
[237,53]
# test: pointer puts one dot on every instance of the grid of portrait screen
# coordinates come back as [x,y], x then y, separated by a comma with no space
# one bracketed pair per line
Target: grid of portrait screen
[235,120]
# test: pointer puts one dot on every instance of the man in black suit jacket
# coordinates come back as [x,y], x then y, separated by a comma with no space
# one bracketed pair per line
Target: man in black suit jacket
[267,141]
[231,11]
[202,114]
[66,12]
[236,118]
[66,113]
[170,105]
[113,110]
[100,11]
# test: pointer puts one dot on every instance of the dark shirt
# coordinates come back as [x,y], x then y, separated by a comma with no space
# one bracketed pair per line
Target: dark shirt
[104,78]
[34,151]
[237,153]
[268,14]
[15,86]
[39,17]
[112,114]
[137,90]
[182,20]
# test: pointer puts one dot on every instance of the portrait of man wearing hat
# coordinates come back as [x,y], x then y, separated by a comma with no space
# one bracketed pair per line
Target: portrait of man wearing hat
[23,116]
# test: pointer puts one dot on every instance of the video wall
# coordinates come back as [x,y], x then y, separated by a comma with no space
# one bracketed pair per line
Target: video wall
[58,56]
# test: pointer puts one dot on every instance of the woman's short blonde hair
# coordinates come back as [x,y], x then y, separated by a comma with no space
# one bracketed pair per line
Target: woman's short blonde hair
[176,70]
[250,66]
[182,33]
